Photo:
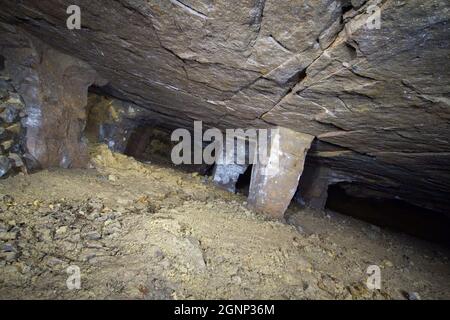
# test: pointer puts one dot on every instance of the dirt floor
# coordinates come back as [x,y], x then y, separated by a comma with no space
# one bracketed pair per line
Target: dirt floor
[142,231]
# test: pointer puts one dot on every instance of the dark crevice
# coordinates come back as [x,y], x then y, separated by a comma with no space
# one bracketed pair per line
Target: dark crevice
[393,214]
[257,14]
[243,183]
[279,43]
[351,51]
[189,9]
[346,7]
[2,63]
[294,81]
[152,144]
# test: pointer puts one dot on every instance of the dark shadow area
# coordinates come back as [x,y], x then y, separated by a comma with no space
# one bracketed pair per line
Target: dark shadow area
[392,214]
[2,63]
[352,51]
[346,7]
[243,183]
[154,145]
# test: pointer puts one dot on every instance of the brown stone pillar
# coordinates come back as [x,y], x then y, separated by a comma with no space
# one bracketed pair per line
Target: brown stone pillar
[274,184]
[54,87]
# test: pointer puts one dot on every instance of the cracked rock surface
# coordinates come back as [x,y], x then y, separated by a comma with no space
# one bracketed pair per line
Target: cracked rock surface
[12,115]
[376,100]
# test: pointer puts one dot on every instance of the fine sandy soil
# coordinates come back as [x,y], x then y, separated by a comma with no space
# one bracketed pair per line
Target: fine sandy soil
[142,231]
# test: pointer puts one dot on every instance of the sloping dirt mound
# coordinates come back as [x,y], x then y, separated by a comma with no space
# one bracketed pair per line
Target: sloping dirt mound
[139,231]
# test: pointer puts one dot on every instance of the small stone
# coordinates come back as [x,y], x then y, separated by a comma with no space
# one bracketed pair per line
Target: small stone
[3,90]
[53,261]
[112,178]
[8,256]
[6,145]
[7,199]
[91,255]
[93,235]
[62,230]
[14,99]
[17,160]
[388,263]
[6,236]
[111,227]
[15,128]
[413,296]
[46,235]
[94,245]
[7,247]
[5,165]
[9,114]
[236,279]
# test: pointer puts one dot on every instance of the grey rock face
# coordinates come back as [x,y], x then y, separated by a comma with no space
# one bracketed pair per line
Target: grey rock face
[376,100]
[5,165]
[11,114]
[230,164]
[226,176]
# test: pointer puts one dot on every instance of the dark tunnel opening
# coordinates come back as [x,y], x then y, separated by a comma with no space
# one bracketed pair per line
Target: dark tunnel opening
[2,63]
[396,215]
[243,183]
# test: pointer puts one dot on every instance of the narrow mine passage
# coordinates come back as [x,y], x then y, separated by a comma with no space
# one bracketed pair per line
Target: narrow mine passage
[123,127]
[393,214]
[149,142]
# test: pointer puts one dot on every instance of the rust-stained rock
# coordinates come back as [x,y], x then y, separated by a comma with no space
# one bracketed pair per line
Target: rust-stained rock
[109,123]
[54,88]
[274,183]
[11,130]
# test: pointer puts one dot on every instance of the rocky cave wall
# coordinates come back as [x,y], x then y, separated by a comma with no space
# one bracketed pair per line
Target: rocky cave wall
[12,111]
[376,101]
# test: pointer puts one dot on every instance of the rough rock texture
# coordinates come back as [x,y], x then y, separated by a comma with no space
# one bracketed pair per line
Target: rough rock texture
[313,187]
[12,113]
[226,176]
[230,163]
[54,88]
[274,182]
[113,122]
[377,100]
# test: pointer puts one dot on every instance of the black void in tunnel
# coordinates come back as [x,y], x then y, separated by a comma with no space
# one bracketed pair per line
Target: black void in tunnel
[396,215]
[243,183]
